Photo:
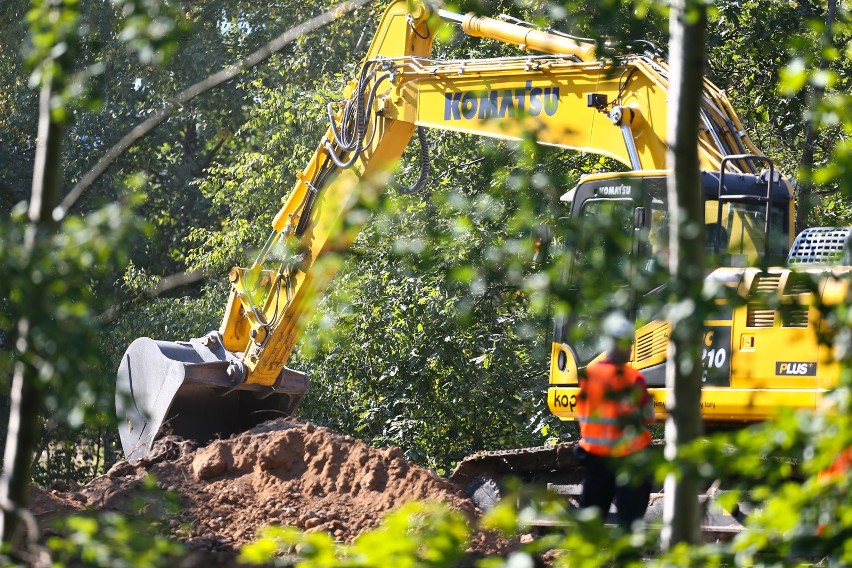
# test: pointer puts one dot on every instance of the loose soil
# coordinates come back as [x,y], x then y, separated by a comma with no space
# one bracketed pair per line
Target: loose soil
[284,472]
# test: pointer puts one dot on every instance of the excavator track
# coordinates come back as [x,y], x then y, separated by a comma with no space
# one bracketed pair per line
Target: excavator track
[540,464]
[557,469]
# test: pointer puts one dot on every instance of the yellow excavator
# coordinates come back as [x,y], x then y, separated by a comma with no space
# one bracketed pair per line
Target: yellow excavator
[761,344]
[236,377]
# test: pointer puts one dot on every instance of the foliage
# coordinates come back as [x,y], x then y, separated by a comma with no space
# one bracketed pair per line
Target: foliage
[438,346]
[417,534]
[94,40]
[456,248]
[794,521]
[51,284]
[113,540]
[774,123]
[770,85]
[216,172]
[66,457]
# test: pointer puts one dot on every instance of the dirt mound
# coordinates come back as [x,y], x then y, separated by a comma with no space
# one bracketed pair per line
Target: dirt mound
[46,505]
[283,472]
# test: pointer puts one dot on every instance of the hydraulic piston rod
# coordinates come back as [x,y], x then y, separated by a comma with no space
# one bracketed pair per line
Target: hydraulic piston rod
[522,36]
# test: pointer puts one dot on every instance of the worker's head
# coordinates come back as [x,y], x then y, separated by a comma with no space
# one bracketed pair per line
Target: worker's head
[617,335]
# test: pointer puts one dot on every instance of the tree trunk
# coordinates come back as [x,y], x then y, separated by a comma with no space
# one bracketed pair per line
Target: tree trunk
[805,191]
[27,395]
[688,28]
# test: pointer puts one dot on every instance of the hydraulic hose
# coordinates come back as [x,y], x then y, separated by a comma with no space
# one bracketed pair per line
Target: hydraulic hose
[425,167]
[357,119]
[342,137]
[361,123]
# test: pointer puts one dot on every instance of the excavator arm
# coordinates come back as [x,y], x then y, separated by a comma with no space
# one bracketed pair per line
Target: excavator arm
[235,377]
[613,110]
[269,301]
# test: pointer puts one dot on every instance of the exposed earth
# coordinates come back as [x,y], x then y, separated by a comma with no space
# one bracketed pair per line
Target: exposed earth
[284,472]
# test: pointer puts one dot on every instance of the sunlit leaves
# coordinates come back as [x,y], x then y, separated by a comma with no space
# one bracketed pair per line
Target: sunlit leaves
[114,540]
[51,286]
[151,28]
[54,28]
[793,77]
[59,28]
[415,535]
[764,69]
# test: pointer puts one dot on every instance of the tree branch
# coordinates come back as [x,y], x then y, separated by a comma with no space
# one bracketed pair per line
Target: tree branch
[26,393]
[166,284]
[199,88]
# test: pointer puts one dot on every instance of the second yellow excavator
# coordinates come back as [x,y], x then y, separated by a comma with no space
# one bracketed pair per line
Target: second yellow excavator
[755,360]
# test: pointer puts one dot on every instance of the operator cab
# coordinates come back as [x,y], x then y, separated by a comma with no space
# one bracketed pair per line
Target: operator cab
[735,225]
[620,225]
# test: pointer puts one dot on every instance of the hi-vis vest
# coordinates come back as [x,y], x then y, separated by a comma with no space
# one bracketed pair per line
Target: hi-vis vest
[609,411]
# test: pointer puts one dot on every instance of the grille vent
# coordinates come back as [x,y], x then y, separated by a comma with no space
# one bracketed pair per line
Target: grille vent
[759,314]
[797,283]
[821,245]
[765,283]
[652,344]
[795,316]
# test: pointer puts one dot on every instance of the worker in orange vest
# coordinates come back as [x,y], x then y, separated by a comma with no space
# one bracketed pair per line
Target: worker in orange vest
[614,410]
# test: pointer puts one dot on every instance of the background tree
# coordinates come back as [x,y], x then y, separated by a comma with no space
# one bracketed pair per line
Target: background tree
[50,263]
[123,100]
[805,189]
[215,173]
[753,64]
[687,29]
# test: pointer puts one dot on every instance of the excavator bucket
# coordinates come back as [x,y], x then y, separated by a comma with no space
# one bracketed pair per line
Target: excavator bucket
[193,390]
